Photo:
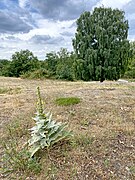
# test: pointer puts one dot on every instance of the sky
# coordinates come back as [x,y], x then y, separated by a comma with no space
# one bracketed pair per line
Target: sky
[43,26]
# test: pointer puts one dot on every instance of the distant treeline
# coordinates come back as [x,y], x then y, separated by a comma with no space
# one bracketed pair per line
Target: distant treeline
[101,52]
[57,65]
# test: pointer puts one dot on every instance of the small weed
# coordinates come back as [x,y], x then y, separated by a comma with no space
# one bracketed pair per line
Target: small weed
[106,162]
[67,101]
[84,122]
[83,140]
[132,169]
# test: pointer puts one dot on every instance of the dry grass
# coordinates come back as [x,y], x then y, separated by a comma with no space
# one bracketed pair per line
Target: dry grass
[103,124]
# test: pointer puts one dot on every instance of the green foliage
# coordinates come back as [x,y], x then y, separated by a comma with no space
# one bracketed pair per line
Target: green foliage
[67,101]
[4,65]
[78,69]
[60,64]
[37,74]
[46,132]
[65,69]
[51,62]
[130,73]
[22,62]
[101,42]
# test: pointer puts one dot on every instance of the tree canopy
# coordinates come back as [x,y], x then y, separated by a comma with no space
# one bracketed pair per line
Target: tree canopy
[22,62]
[130,73]
[101,42]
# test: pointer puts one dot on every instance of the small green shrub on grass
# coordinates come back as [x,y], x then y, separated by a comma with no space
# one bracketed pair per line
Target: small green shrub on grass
[46,132]
[67,101]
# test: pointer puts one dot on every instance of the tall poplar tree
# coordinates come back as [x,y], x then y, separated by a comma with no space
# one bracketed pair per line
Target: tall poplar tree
[101,42]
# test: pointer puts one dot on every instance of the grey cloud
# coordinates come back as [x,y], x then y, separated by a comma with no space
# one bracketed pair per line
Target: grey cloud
[11,22]
[62,9]
[40,39]
[66,33]
[46,39]
[56,40]
[12,38]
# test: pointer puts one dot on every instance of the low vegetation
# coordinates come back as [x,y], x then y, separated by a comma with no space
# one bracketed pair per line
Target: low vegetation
[67,101]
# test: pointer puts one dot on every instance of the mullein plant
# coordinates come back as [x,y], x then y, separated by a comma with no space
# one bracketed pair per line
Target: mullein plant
[46,132]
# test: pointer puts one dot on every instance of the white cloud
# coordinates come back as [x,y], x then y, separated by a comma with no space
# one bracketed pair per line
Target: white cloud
[112,3]
[46,27]
[23,3]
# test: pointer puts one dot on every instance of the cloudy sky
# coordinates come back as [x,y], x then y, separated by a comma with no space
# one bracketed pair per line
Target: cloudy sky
[47,25]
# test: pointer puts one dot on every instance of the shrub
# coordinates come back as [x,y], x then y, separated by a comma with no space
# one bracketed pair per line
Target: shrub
[37,74]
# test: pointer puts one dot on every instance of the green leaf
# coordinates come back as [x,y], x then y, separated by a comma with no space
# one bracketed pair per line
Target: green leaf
[34,149]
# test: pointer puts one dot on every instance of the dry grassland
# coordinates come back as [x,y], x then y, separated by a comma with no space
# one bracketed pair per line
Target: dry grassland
[103,124]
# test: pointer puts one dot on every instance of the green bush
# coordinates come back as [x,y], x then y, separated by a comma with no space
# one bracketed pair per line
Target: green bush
[22,62]
[67,101]
[37,74]
[130,73]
